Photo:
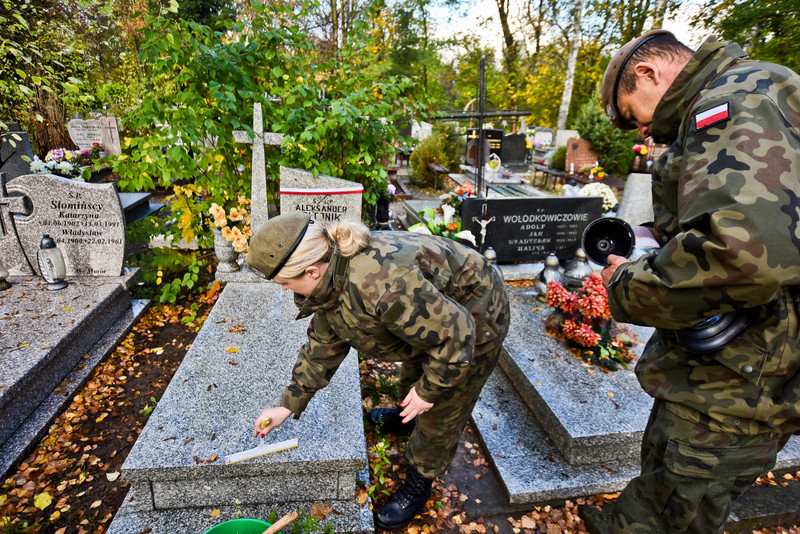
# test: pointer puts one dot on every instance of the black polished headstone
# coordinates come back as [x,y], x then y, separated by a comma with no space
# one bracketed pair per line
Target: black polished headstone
[529,229]
[495,137]
[14,146]
[514,149]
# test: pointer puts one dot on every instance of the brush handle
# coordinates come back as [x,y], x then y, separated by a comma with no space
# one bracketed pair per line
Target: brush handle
[280,523]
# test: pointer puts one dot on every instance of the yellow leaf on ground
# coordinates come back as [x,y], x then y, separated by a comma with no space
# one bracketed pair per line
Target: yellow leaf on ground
[103,416]
[232,349]
[610,393]
[112,476]
[215,513]
[96,504]
[157,350]
[55,515]
[3,499]
[42,501]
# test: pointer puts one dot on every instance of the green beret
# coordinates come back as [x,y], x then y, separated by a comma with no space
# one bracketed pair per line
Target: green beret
[273,244]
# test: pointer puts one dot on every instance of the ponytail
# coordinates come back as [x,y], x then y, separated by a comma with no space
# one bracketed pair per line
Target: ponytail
[349,237]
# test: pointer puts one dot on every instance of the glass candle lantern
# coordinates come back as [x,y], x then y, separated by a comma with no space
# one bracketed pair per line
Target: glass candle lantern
[51,264]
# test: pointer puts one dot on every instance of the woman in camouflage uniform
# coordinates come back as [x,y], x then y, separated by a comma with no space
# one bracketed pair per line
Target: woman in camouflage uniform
[438,307]
[725,200]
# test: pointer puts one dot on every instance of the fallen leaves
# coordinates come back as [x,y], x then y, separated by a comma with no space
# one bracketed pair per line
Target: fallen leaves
[42,501]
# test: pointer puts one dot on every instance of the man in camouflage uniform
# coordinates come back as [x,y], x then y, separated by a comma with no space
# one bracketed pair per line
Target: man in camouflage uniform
[725,199]
[438,307]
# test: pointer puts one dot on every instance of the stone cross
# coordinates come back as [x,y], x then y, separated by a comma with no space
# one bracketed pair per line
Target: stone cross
[259,207]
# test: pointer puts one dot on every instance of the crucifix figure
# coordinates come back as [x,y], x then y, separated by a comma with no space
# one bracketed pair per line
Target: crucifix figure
[11,251]
[484,222]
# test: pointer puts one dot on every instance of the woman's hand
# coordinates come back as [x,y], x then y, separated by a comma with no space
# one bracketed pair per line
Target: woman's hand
[276,417]
[413,405]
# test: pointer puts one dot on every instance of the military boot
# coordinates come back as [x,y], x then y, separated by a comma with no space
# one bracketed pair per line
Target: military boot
[388,421]
[407,502]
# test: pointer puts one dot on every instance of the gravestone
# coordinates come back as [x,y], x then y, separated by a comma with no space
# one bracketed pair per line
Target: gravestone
[563,137]
[543,136]
[85,133]
[110,135]
[326,198]
[514,149]
[580,155]
[85,220]
[15,145]
[529,229]
[421,130]
[636,206]
[495,137]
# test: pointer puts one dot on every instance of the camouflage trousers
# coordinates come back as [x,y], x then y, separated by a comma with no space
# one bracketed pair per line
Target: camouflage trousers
[690,476]
[433,443]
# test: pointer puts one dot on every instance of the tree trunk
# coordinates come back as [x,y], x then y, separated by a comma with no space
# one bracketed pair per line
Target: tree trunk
[574,46]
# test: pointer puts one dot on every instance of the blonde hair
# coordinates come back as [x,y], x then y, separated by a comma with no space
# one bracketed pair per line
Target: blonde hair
[348,237]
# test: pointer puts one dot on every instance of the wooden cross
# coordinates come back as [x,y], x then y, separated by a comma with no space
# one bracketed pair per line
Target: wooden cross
[259,207]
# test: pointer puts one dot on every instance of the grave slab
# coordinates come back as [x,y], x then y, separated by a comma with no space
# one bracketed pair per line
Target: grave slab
[552,428]
[45,335]
[228,376]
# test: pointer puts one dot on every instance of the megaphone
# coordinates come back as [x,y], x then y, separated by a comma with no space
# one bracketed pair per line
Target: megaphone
[607,235]
[611,235]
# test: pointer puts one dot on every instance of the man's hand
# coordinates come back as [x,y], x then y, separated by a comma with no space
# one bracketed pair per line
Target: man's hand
[413,405]
[614,262]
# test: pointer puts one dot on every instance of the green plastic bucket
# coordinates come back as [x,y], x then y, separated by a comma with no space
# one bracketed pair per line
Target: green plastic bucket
[240,526]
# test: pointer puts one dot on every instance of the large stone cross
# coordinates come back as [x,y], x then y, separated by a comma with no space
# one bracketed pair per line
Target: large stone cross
[259,207]
[11,251]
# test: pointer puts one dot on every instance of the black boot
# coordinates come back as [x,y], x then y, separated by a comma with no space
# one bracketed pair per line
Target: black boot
[388,421]
[407,502]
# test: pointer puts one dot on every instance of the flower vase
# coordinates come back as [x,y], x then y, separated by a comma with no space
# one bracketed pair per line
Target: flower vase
[226,254]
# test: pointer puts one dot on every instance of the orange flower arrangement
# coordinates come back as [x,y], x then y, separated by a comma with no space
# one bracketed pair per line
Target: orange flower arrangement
[584,319]
[235,224]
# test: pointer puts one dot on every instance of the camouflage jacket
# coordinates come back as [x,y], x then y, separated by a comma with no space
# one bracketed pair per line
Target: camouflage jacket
[405,296]
[727,214]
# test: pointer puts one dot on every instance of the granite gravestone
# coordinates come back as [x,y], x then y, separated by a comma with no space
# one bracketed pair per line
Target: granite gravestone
[528,229]
[85,133]
[493,135]
[563,137]
[543,136]
[636,207]
[580,155]
[14,146]
[85,220]
[514,149]
[326,198]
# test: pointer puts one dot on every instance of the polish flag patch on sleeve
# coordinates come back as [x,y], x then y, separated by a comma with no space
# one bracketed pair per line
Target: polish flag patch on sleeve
[712,116]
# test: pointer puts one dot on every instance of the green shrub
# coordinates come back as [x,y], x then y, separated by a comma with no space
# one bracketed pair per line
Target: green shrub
[559,159]
[429,150]
[614,147]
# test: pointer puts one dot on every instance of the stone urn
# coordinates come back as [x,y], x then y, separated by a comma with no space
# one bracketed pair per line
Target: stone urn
[226,254]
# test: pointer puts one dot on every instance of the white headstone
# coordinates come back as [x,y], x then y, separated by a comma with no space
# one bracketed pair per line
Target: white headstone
[421,130]
[543,136]
[85,133]
[563,136]
[326,198]
[85,220]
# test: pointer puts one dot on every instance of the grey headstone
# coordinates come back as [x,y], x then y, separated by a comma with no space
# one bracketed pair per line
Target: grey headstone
[110,135]
[514,149]
[85,133]
[563,136]
[543,136]
[85,220]
[637,202]
[328,199]
[14,146]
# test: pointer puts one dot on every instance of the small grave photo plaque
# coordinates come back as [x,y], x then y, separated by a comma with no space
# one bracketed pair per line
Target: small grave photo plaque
[528,229]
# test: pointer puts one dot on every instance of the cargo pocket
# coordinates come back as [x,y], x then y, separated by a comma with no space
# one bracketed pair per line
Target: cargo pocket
[702,479]
[745,358]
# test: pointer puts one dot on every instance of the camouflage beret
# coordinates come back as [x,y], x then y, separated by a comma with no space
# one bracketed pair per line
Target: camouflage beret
[275,242]
[613,73]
